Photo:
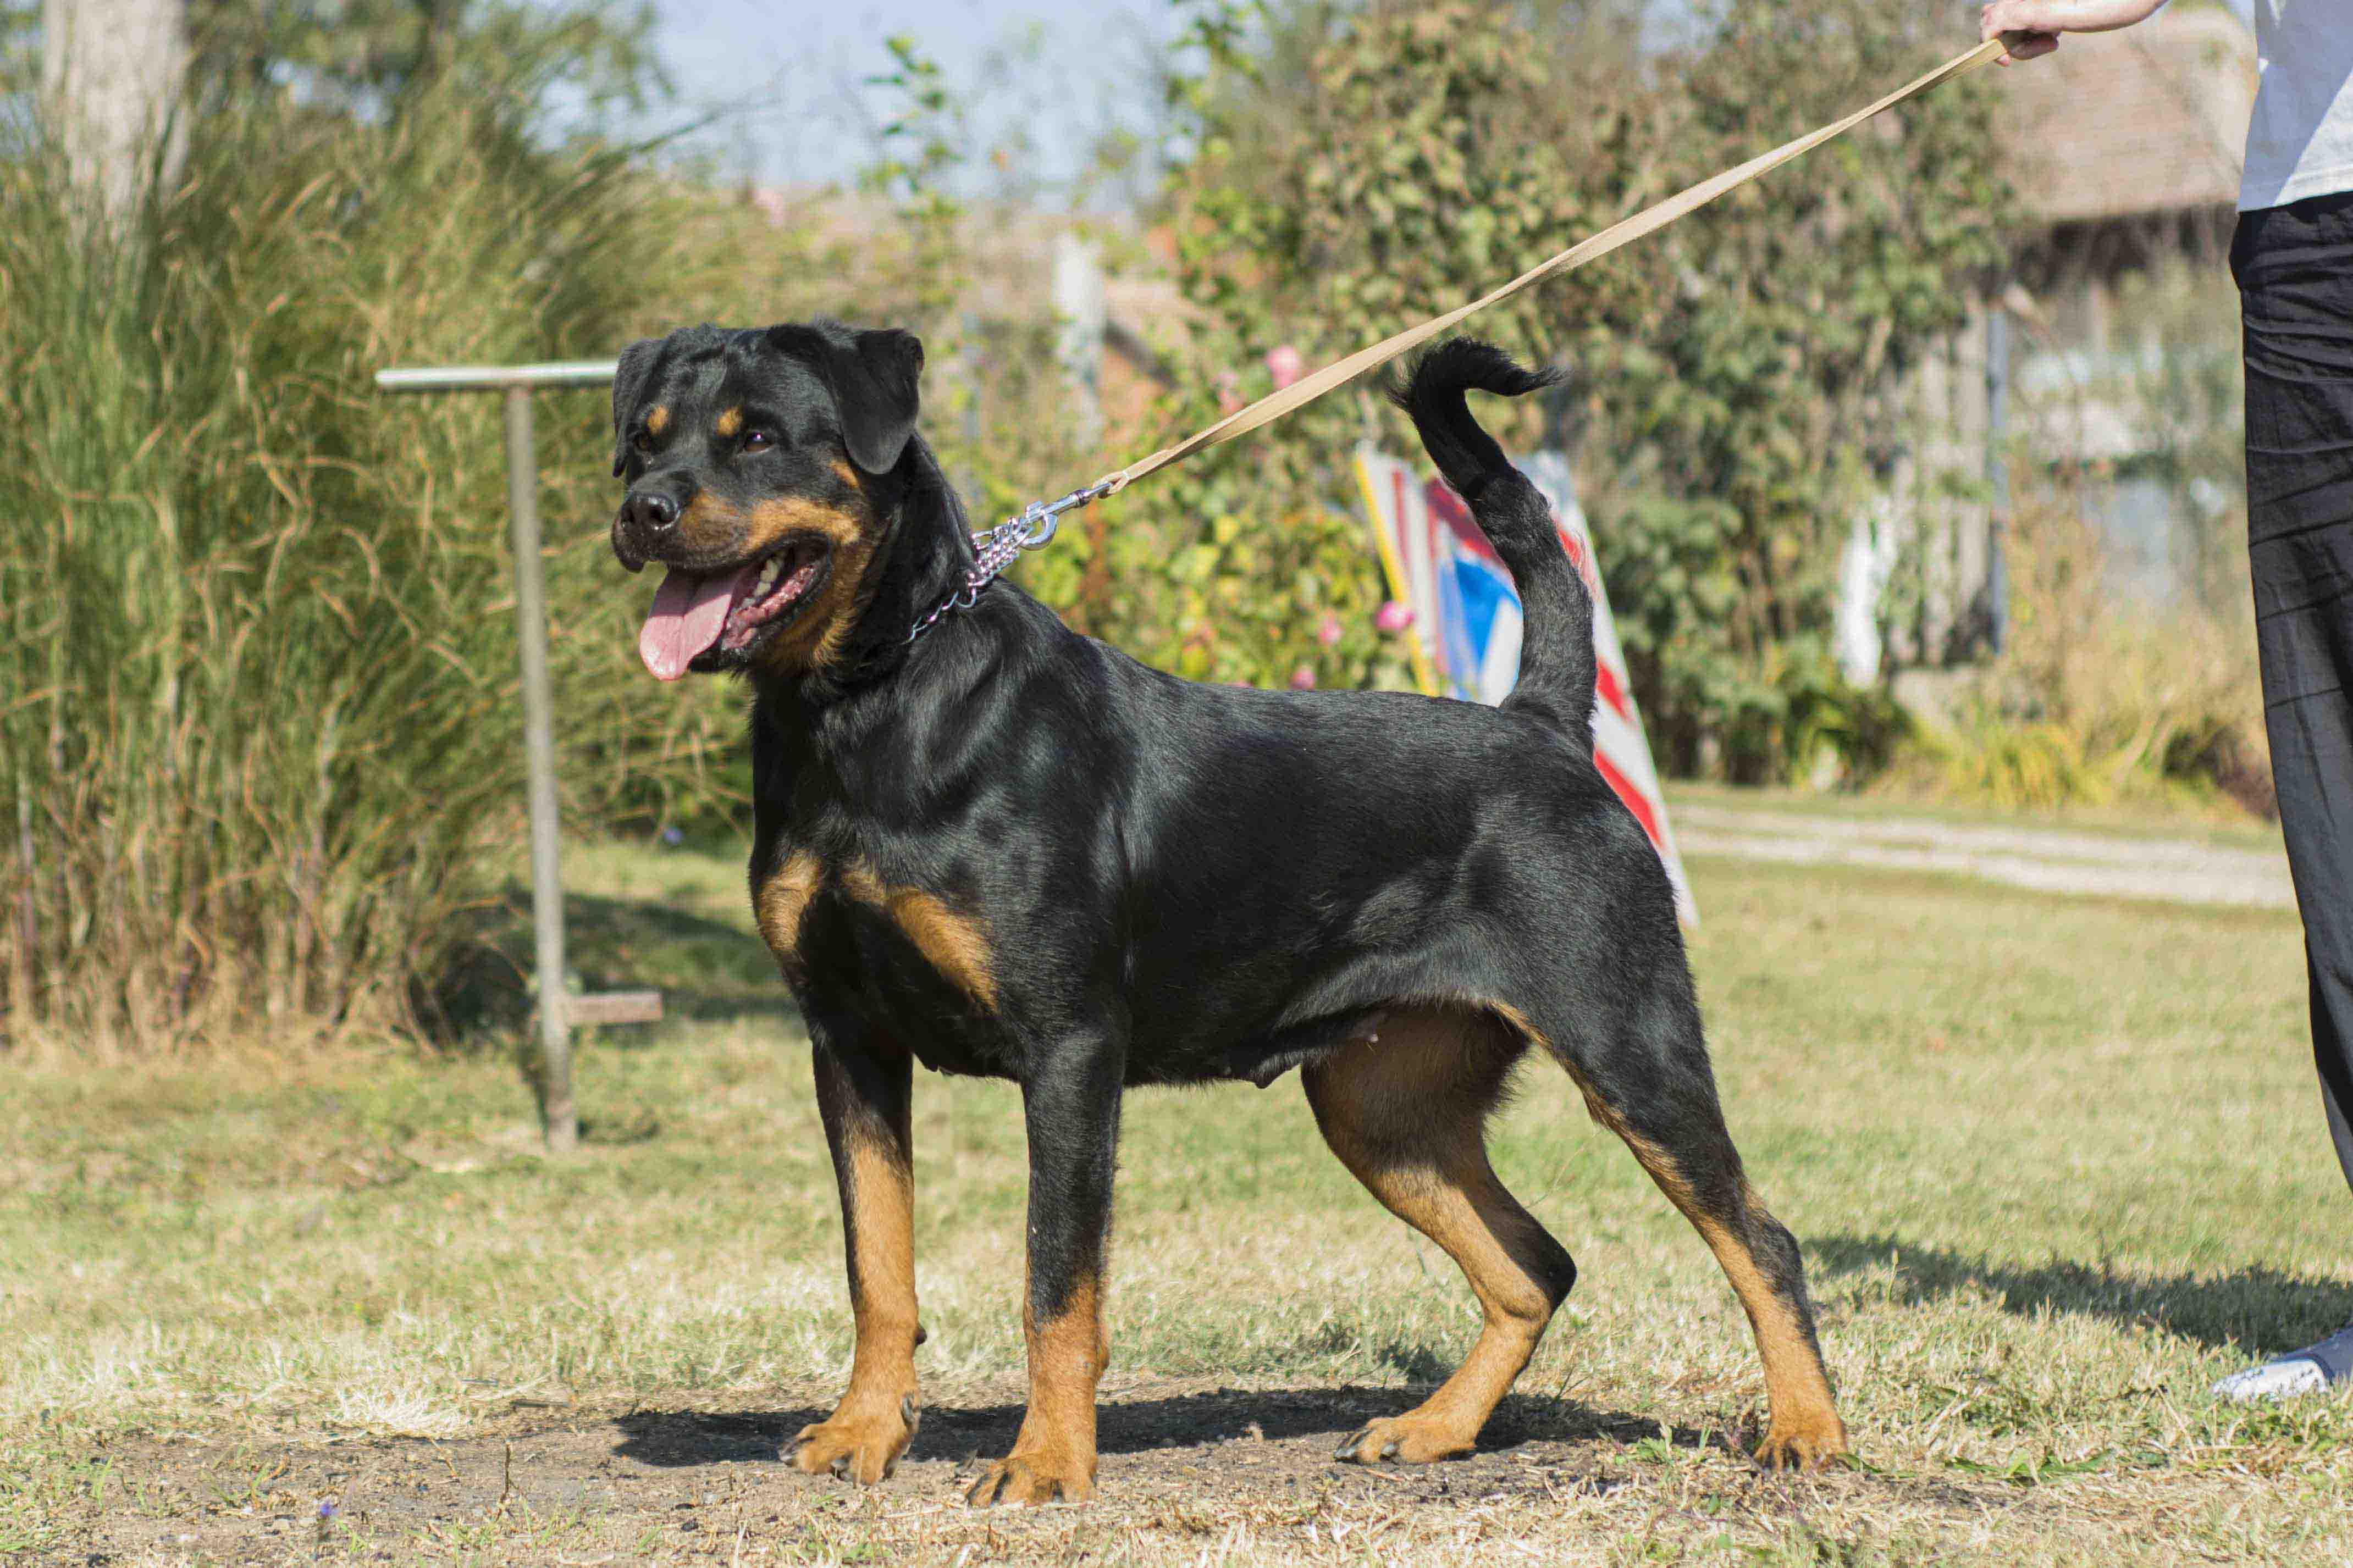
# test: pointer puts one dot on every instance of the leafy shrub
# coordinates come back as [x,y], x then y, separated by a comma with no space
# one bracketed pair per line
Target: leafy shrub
[1348,170]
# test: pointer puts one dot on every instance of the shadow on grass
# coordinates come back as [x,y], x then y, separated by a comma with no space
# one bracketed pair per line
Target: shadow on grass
[707,970]
[2259,1310]
[670,1439]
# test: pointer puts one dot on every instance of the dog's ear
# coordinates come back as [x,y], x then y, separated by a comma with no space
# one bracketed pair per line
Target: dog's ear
[873,376]
[629,381]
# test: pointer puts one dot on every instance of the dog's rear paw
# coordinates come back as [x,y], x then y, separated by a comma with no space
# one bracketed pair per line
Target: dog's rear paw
[1803,1444]
[861,1444]
[1026,1480]
[1406,1440]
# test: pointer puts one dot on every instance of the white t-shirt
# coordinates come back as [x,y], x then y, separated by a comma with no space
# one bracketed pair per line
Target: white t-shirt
[2300,141]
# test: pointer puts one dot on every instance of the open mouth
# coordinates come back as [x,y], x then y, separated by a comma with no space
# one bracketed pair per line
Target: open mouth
[712,620]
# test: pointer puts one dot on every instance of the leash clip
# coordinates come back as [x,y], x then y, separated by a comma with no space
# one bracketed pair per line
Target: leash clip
[1032,529]
[1043,517]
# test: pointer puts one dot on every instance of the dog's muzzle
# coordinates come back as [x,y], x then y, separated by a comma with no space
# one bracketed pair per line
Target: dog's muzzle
[646,525]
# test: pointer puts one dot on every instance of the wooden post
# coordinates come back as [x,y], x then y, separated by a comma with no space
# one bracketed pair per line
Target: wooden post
[557,1115]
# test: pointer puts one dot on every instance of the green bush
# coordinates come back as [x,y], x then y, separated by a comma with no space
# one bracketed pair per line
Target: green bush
[1348,170]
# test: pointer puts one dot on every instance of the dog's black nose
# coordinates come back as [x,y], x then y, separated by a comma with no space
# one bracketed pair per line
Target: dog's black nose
[652,511]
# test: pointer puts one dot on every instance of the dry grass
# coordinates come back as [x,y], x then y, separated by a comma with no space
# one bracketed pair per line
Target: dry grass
[2055,1163]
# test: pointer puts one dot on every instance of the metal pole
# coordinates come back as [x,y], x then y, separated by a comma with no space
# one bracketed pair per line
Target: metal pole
[1997,459]
[557,1115]
[1079,345]
[495,377]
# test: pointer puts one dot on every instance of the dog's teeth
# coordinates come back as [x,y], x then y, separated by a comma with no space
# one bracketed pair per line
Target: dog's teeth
[768,574]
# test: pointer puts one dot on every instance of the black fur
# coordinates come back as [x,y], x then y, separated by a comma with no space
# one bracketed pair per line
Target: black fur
[1181,883]
[1556,672]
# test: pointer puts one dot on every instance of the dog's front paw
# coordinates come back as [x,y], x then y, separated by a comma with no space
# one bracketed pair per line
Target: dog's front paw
[860,1442]
[1406,1440]
[1803,1444]
[1025,1481]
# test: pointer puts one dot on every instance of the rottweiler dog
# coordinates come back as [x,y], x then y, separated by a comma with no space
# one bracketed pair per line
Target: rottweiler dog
[1002,848]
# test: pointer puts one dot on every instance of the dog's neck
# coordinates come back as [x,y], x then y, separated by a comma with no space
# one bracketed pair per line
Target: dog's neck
[924,553]
[858,737]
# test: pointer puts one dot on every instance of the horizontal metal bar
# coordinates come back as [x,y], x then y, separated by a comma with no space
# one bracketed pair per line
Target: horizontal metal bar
[494,377]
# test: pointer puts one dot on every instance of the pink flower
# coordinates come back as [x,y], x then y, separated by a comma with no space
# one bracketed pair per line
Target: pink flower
[1327,630]
[1285,365]
[1302,678]
[1393,618]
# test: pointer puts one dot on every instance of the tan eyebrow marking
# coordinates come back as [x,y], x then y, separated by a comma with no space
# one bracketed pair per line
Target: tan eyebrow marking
[658,420]
[730,422]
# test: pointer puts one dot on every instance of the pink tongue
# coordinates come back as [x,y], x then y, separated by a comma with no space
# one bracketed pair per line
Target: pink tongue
[688,613]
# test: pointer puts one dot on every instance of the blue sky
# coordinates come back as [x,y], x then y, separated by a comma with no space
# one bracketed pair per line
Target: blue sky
[1056,71]
[1047,78]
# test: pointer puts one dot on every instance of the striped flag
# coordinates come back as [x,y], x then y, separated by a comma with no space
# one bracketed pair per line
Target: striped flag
[1465,635]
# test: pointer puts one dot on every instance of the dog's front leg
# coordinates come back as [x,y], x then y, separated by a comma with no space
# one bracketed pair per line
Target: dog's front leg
[864,1095]
[1070,1105]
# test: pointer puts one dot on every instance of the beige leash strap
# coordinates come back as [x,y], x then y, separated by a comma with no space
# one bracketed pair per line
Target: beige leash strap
[1305,390]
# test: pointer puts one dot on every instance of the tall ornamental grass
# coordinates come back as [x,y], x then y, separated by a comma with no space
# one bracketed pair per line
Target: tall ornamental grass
[257,701]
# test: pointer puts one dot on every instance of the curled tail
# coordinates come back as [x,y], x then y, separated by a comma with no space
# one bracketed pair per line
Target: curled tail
[1557,638]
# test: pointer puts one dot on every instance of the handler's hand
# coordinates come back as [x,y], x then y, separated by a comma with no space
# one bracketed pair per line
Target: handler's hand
[2034,26]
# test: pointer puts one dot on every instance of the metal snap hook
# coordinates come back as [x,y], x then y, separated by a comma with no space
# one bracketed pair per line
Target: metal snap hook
[1042,522]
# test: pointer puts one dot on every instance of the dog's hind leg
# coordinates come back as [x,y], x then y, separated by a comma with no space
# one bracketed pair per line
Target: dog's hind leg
[1406,1111]
[865,1101]
[1658,1093]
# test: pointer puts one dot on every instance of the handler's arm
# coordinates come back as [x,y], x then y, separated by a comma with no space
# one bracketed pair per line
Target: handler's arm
[2043,20]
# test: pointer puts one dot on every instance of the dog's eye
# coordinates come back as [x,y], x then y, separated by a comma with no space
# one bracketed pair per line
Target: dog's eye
[757,440]
[641,442]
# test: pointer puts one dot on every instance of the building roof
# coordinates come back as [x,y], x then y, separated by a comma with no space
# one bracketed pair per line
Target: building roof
[2150,118]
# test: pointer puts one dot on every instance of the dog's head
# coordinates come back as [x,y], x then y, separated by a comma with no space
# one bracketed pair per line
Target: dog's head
[760,467]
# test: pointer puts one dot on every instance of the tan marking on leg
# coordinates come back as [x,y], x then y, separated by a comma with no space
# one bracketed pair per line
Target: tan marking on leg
[955,944]
[1053,1458]
[878,1413]
[1804,1429]
[1521,1024]
[783,898]
[1406,1113]
[729,422]
[658,420]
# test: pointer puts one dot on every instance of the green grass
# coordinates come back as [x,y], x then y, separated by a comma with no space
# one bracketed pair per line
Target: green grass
[2056,1164]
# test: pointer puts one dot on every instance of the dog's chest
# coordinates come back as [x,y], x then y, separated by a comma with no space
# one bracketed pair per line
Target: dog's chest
[892,955]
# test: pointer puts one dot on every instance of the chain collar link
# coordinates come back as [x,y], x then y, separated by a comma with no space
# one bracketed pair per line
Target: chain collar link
[999,547]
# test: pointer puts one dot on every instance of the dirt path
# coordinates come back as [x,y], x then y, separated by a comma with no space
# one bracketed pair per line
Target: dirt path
[1184,1466]
[2047,860]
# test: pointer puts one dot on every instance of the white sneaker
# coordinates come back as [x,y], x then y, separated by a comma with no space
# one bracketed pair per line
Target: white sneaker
[2307,1370]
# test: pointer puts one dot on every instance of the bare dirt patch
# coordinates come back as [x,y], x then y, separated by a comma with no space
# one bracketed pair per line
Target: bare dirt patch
[1182,1463]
